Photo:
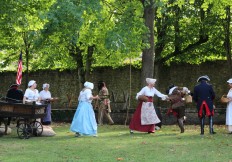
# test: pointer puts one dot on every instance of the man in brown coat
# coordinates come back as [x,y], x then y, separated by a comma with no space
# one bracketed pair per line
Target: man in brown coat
[176,95]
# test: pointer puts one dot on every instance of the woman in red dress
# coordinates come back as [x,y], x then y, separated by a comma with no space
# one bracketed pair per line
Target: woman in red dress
[145,117]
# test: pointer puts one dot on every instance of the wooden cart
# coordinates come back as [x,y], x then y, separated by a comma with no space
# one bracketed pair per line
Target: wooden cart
[26,115]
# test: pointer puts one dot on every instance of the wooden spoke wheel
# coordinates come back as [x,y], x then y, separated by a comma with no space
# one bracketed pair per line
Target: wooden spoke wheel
[24,130]
[37,128]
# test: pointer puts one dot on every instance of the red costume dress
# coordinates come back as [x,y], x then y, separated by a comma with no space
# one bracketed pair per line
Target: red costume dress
[145,118]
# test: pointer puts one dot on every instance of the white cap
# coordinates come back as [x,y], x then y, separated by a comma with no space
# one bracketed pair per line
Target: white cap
[229,81]
[31,83]
[150,80]
[46,85]
[204,77]
[89,85]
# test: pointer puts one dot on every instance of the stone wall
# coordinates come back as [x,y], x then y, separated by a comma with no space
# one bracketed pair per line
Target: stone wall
[65,83]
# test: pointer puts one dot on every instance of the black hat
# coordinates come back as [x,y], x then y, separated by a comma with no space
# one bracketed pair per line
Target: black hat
[169,87]
[204,77]
[14,85]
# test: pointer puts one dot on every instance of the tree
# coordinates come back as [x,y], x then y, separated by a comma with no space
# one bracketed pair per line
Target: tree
[148,53]
[20,22]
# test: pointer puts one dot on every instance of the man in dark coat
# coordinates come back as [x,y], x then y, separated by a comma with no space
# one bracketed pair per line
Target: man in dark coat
[204,95]
[14,95]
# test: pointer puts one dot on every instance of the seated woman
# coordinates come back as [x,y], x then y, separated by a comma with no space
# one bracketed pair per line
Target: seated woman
[31,94]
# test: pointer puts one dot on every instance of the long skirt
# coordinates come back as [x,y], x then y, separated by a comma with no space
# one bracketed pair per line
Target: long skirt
[84,121]
[135,123]
[47,118]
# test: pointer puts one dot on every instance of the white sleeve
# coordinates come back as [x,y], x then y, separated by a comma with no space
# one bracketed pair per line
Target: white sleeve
[26,94]
[88,94]
[41,95]
[141,92]
[159,94]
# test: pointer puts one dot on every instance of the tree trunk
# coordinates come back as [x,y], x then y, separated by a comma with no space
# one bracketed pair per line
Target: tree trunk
[227,39]
[27,47]
[148,54]
[89,61]
[76,53]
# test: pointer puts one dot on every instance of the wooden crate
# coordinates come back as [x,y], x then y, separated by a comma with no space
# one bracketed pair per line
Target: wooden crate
[28,110]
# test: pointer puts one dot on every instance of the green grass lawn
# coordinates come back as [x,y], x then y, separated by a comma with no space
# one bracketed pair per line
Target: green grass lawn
[114,143]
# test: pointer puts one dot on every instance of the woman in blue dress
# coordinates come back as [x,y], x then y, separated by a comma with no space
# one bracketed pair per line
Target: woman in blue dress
[84,122]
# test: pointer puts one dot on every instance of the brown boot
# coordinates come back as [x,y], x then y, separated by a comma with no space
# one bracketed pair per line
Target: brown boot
[181,124]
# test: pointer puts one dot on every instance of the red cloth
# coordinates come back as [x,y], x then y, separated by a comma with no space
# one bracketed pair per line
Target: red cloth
[170,110]
[135,123]
[207,110]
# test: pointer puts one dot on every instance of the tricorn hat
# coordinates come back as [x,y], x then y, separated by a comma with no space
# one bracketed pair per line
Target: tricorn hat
[14,85]
[204,77]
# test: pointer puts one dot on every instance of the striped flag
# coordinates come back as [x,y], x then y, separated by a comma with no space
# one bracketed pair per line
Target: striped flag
[20,70]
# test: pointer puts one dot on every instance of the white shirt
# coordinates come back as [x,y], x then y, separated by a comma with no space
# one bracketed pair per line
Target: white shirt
[32,95]
[45,95]
[150,92]
[229,109]
[85,96]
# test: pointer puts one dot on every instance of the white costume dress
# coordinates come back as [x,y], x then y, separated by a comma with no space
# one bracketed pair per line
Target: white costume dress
[32,95]
[229,112]
[46,95]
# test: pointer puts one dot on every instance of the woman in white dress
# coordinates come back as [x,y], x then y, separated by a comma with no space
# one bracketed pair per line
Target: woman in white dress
[31,94]
[84,121]
[229,107]
[46,97]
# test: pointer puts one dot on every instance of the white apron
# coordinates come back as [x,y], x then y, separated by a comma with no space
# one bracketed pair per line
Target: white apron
[148,114]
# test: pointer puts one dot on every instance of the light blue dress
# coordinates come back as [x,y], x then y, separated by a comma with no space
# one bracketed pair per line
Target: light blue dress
[84,121]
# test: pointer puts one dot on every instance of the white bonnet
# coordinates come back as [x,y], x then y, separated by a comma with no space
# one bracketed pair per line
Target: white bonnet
[31,83]
[229,81]
[150,80]
[89,85]
[46,85]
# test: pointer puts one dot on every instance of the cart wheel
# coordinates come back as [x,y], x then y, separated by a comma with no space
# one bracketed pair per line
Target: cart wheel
[3,126]
[37,128]
[24,130]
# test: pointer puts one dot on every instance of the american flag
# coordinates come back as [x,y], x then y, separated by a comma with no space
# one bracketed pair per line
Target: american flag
[20,70]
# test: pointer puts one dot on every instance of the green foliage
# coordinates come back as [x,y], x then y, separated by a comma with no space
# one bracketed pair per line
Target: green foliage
[53,32]
[193,24]
[20,24]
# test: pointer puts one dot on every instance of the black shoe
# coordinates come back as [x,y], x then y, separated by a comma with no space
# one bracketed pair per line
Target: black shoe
[77,134]
[131,132]
[213,132]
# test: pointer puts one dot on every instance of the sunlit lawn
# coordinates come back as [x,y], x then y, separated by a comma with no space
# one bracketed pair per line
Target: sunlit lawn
[114,143]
